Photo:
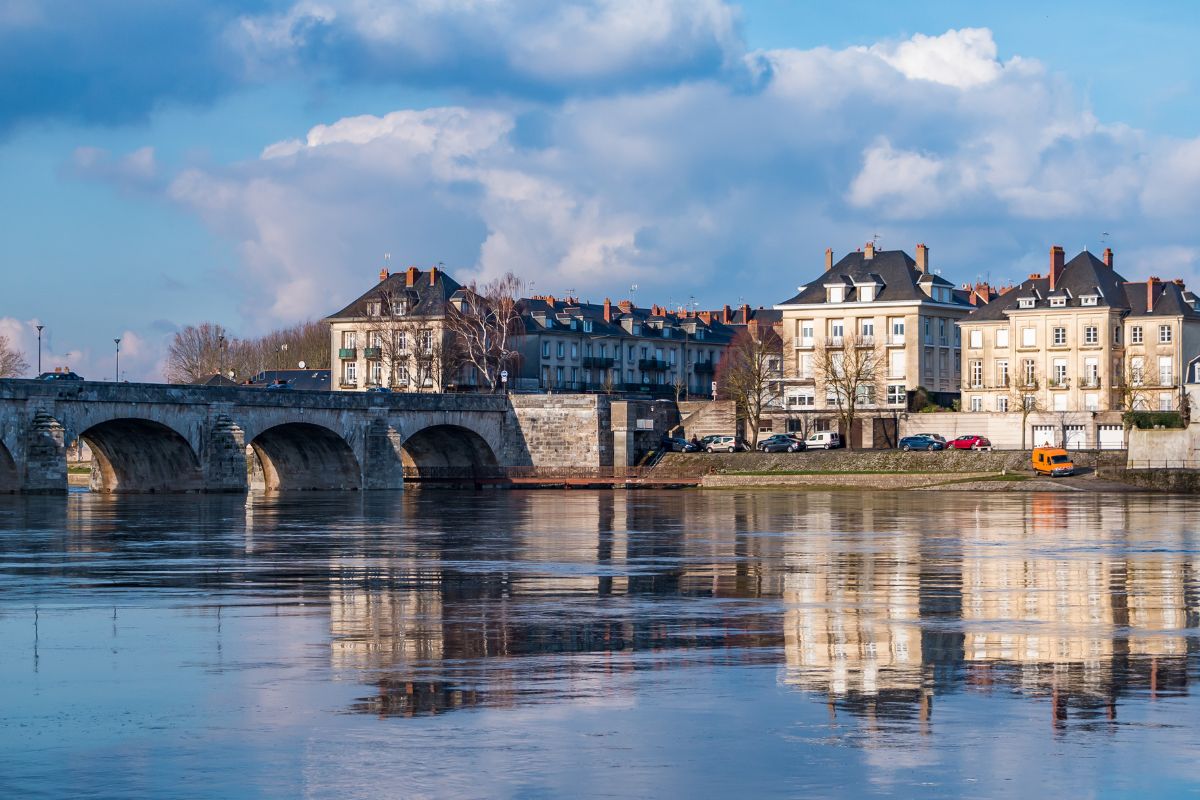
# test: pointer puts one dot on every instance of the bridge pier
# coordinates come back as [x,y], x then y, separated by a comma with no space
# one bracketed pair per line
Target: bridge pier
[382,462]
[223,454]
[45,457]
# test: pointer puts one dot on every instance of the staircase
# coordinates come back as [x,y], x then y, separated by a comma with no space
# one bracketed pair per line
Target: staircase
[700,418]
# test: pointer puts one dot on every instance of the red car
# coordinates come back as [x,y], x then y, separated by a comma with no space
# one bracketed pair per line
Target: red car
[969,443]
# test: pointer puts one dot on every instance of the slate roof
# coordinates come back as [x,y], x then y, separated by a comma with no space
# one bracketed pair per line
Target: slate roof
[424,299]
[895,269]
[1086,275]
[559,314]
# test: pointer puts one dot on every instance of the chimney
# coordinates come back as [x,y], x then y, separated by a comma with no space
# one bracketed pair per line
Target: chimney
[828,258]
[922,258]
[411,277]
[869,251]
[626,306]
[433,276]
[607,310]
[745,313]
[383,275]
[705,317]
[1150,294]
[1056,266]
[1108,261]
[726,315]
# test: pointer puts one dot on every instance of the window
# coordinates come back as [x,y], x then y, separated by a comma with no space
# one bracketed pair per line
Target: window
[373,308]
[1135,334]
[376,372]
[349,340]
[1091,372]
[1029,371]
[976,374]
[666,332]
[928,331]
[800,398]
[895,394]
[545,348]
[587,326]
[866,293]
[426,341]
[401,342]
[558,376]
[1060,401]
[1058,374]
[837,329]
[1028,337]
[1002,337]
[1116,334]
[350,372]
[574,374]
[804,367]
[865,394]
[806,333]
[1164,334]
[402,376]
[1002,404]
[944,363]
[1164,402]
[836,294]
[1091,402]
[975,339]
[645,352]
[561,350]
[1060,337]
[574,350]
[1137,370]
[896,363]
[1002,373]
[1058,301]
[977,403]
[1025,302]
[867,329]
[942,332]
[1091,335]
[1166,375]
[897,331]
[1089,300]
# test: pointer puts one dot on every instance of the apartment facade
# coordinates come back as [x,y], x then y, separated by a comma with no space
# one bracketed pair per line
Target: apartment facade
[1080,339]
[882,299]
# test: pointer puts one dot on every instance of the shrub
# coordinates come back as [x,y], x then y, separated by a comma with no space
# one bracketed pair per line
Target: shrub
[1145,420]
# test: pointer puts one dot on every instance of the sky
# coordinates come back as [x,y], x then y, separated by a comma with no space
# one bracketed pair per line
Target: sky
[251,163]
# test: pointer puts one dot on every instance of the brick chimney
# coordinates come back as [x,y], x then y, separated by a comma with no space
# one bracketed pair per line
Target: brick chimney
[745,313]
[433,276]
[383,275]
[410,278]
[1108,260]
[922,258]
[705,317]
[1056,266]
[626,306]
[828,258]
[1150,294]
[869,251]
[607,310]
[726,315]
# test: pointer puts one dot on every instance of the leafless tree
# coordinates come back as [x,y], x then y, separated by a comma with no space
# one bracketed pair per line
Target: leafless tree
[486,321]
[198,352]
[12,361]
[1134,384]
[1065,420]
[851,371]
[1023,398]
[747,374]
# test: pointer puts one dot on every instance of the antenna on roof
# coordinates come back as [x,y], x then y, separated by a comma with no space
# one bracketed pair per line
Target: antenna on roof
[387,256]
[1104,238]
[874,239]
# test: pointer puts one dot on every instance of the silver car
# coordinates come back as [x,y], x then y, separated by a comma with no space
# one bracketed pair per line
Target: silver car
[723,444]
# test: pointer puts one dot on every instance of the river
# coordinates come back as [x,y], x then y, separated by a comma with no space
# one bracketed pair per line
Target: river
[599,644]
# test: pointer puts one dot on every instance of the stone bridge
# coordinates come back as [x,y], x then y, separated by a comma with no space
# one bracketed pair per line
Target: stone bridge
[168,438]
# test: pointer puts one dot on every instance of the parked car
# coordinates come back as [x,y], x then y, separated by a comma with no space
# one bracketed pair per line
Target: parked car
[937,437]
[921,442]
[823,440]
[279,386]
[1052,461]
[969,442]
[63,375]
[379,390]
[723,444]
[781,443]
[674,444]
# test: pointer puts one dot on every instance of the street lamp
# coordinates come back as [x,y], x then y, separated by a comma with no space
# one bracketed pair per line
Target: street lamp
[39,330]
[117,369]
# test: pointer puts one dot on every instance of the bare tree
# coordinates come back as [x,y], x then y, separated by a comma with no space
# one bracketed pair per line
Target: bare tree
[1133,385]
[12,361]
[851,371]
[1023,398]
[747,374]
[486,321]
[197,352]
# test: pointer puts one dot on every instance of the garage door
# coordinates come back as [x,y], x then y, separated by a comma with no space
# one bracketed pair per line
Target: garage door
[1075,437]
[1112,437]
[1043,436]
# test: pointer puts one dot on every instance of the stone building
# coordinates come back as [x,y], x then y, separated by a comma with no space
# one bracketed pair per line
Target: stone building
[1080,339]
[880,299]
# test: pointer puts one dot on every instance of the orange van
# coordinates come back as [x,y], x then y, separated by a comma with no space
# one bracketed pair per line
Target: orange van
[1052,461]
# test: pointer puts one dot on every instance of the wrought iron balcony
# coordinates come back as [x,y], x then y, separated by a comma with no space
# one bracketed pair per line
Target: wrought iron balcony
[653,365]
[372,352]
[598,362]
[348,352]
[704,368]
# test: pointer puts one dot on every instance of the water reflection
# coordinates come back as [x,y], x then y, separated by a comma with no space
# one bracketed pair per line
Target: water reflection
[1081,609]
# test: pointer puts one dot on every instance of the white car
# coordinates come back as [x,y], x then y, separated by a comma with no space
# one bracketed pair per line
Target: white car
[823,440]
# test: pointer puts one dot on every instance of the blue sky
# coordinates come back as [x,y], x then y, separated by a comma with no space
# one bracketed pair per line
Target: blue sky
[250,163]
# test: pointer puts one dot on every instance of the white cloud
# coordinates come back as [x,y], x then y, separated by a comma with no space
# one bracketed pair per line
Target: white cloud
[961,58]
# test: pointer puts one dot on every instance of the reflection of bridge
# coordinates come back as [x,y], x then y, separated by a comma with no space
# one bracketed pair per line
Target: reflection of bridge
[148,437]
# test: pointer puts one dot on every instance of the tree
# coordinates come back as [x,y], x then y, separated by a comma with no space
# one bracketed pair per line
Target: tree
[748,373]
[1133,385]
[1023,398]
[12,361]
[851,371]
[486,322]
[197,352]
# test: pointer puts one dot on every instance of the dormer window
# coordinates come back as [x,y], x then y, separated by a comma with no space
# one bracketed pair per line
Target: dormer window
[373,308]
[866,294]
[572,324]
[836,294]
[700,333]
[1058,302]
[587,326]
[1089,300]
[400,308]
[637,330]
[1025,302]
[666,332]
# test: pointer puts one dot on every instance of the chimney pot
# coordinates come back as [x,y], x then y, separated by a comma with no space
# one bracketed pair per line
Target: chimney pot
[433,276]
[383,275]
[1108,257]
[828,258]
[410,277]
[869,251]
[922,258]
[1056,266]
[1150,294]
[726,314]
[745,313]
[607,310]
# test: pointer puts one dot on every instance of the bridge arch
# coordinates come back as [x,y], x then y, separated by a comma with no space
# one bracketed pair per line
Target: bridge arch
[141,455]
[10,479]
[447,450]
[305,455]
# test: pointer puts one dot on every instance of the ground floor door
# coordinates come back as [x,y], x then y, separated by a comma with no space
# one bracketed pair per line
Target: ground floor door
[1111,437]
[1074,437]
[883,433]
[1044,436]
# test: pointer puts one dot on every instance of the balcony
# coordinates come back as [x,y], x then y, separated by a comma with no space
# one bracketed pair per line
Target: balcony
[372,352]
[653,365]
[865,340]
[348,352]
[1059,383]
[804,343]
[348,383]
[1087,382]
[598,362]
[703,368]
[896,341]
[833,341]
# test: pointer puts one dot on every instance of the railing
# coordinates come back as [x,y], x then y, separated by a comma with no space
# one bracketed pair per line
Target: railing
[598,362]
[834,341]
[653,365]
[1086,382]
[1155,463]
[371,352]
[703,367]
[348,352]
[486,474]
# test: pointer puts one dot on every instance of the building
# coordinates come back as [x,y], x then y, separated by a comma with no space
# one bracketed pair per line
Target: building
[394,334]
[569,345]
[878,299]
[1080,339]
